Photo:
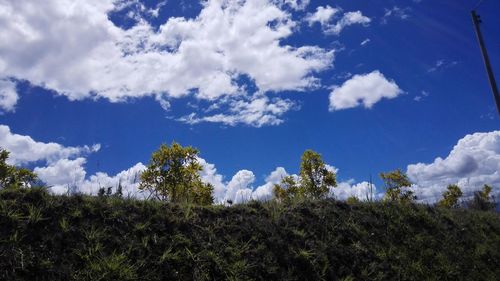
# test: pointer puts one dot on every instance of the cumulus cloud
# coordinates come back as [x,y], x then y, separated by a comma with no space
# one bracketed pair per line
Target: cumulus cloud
[325,16]
[364,42]
[297,4]
[74,48]
[363,89]
[240,188]
[63,174]
[129,179]
[363,191]
[473,162]
[63,168]
[25,150]
[8,95]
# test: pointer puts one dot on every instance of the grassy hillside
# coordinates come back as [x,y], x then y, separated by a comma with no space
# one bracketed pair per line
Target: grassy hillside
[44,237]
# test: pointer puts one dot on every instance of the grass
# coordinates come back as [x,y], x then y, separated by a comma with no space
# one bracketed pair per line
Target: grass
[44,237]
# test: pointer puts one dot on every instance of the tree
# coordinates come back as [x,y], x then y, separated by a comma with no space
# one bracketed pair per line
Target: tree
[287,189]
[451,196]
[173,175]
[396,186]
[12,176]
[351,200]
[313,182]
[481,200]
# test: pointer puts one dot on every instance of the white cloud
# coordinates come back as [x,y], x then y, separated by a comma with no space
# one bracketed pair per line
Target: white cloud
[396,12]
[297,4]
[72,47]
[209,175]
[239,188]
[347,19]
[265,191]
[473,162]
[25,150]
[8,95]
[256,112]
[62,174]
[363,191]
[363,89]
[442,64]
[129,179]
[63,167]
[366,41]
[422,95]
[325,15]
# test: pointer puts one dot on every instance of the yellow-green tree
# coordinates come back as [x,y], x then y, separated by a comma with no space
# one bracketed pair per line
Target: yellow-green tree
[12,176]
[396,187]
[482,200]
[313,182]
[173,175]
[451,196]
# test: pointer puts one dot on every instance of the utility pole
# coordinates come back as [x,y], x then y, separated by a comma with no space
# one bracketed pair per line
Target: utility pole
[476,20]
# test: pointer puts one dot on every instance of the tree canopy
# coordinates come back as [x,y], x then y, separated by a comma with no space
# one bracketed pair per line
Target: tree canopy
[451,196]
[12,176]
[482,200]
[313,182]
[173,175]
[396,184]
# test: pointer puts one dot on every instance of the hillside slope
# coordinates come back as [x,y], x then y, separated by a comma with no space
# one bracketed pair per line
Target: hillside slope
[44,237]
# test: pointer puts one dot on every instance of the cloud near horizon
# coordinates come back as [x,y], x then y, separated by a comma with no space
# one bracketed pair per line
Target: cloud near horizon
[473,162]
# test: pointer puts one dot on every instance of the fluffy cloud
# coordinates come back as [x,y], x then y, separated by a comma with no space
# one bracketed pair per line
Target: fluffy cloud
[73,47]
[325,15]
[129,179]
[265,191]
[8,95]
[63,167]
[63,174]
[240,188]
[297,4]
[363,89]
[363,191]
[24,149]
[473,162]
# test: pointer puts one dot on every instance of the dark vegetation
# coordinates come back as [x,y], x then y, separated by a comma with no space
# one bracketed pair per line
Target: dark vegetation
[177,234]
[47,237]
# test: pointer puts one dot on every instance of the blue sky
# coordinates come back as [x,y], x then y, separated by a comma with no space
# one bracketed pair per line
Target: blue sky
[416,61]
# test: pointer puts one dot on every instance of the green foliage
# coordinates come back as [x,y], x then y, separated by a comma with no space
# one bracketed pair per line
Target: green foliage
[451,196]
[352,200]
[173,175]
[396,187]
[313,183]
[482,200]
[12,176]
[82,237]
